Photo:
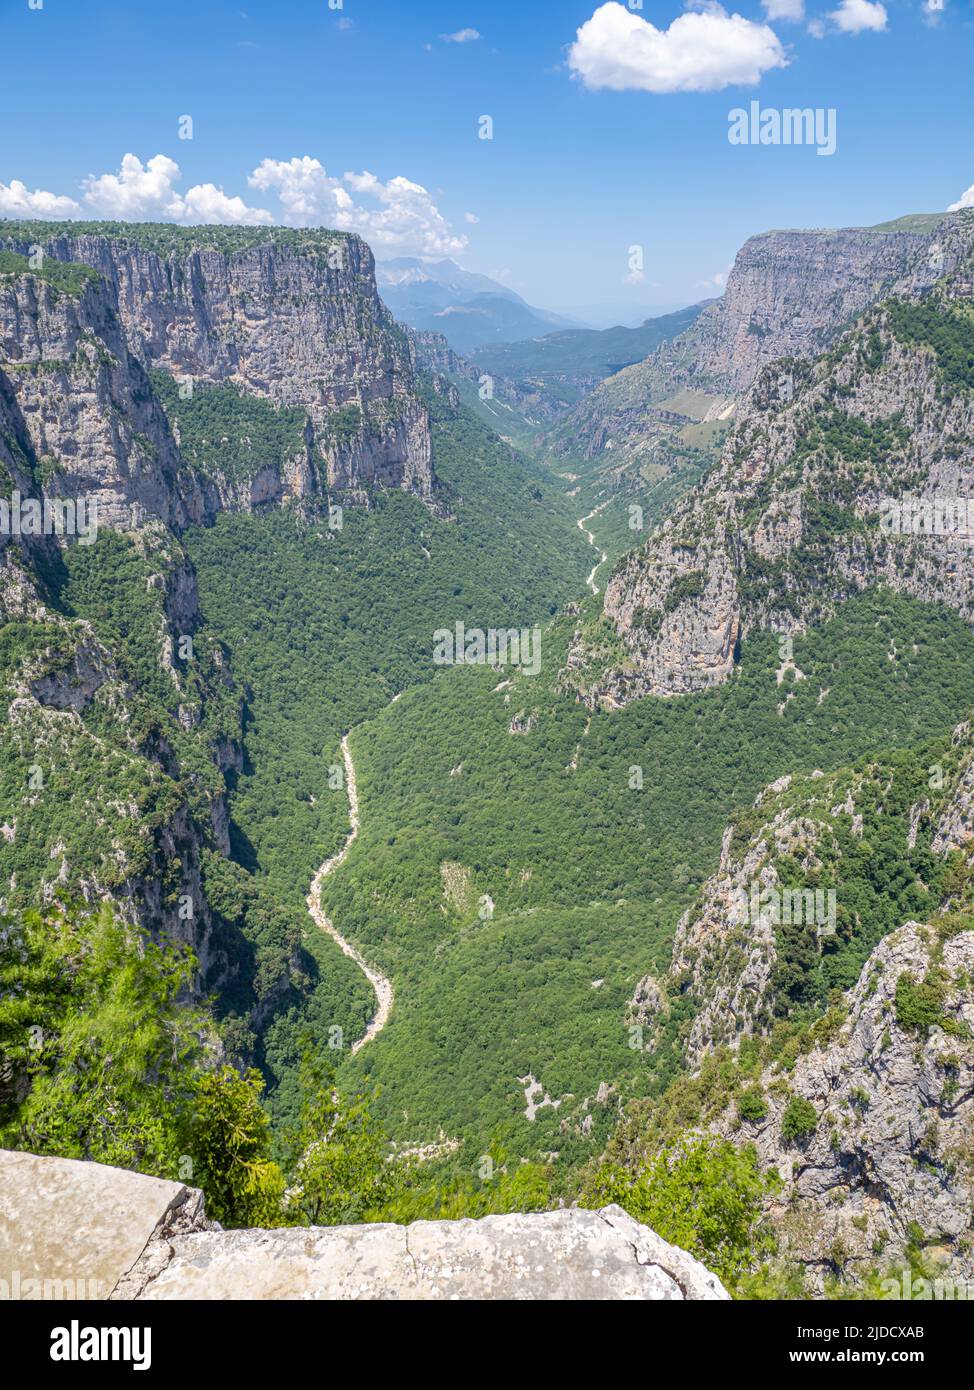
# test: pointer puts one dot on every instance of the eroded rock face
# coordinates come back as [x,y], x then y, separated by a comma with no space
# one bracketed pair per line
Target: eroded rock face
[789,294]
[141,1238]
[762,541]
[301,325]
[82,409]
[889,1159]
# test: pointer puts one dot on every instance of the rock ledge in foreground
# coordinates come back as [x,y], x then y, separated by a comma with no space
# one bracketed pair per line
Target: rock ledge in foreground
[146,1239]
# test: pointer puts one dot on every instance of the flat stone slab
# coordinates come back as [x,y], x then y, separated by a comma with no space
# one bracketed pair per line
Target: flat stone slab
[81,1230]
[570,1254]
[72,1230]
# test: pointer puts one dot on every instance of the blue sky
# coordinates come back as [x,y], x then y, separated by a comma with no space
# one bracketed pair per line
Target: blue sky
[595,149]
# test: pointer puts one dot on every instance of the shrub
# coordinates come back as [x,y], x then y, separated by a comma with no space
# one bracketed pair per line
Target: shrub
[752,1105]
[702,1194]
[799,1120]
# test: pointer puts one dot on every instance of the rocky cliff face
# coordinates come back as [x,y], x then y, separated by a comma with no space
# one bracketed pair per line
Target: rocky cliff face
[870,1129]
[291,317]
[81,408]
[884,1162]
[158,376]
[806,505]
[789,294]
[142,1238]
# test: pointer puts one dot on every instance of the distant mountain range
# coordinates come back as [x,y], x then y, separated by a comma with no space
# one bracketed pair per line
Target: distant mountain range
[575,360]
[470,310]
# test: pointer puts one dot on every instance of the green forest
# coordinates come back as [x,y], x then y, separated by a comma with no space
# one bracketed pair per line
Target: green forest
[527,845]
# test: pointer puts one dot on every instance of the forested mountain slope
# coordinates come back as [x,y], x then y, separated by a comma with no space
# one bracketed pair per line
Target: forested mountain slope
[517,877]
[568,364]
[837,1046]
[174,754]
[812,498]
[545,854]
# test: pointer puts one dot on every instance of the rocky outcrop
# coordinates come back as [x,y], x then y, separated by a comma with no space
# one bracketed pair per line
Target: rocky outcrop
[74,1230]
[870,1127]
[125,1236]
[81,409]
[789,294]
[881,1158]
[801,510]
[292,317]
[783,865]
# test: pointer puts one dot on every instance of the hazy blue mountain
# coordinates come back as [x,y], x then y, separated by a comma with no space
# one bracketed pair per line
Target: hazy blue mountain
[469,309]
[576,359]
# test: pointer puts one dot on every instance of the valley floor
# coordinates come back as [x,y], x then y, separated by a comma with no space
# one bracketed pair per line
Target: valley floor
[379,982]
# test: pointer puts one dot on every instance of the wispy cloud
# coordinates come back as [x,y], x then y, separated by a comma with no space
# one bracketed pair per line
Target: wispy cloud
[859,16]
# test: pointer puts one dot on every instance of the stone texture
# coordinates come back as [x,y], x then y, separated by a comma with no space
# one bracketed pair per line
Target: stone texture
[74,394]
[61,1220]
[282,321]
[892,1147]
[568,1254]
[139,1237]
[790,293]
[745,550]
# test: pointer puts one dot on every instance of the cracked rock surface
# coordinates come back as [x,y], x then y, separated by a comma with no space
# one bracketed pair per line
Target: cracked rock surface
[148,1239]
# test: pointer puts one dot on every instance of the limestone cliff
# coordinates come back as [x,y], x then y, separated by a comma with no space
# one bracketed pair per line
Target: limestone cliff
[81,409]
[293,317]
[789,294]
[811,499]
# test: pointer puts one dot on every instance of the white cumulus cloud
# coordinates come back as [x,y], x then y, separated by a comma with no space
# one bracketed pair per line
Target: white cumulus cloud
[461,36]
[147,192]
[137,191]
[17,200]
[701,51]
[966,200]
[398,216]
[207,203]
[858,16]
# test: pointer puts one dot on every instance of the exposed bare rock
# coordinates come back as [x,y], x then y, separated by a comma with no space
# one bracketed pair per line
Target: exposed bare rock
[83,408]
[295,318]
[796,515]
[889,1160]
[789,294]
[74,1230]
[139,1238]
